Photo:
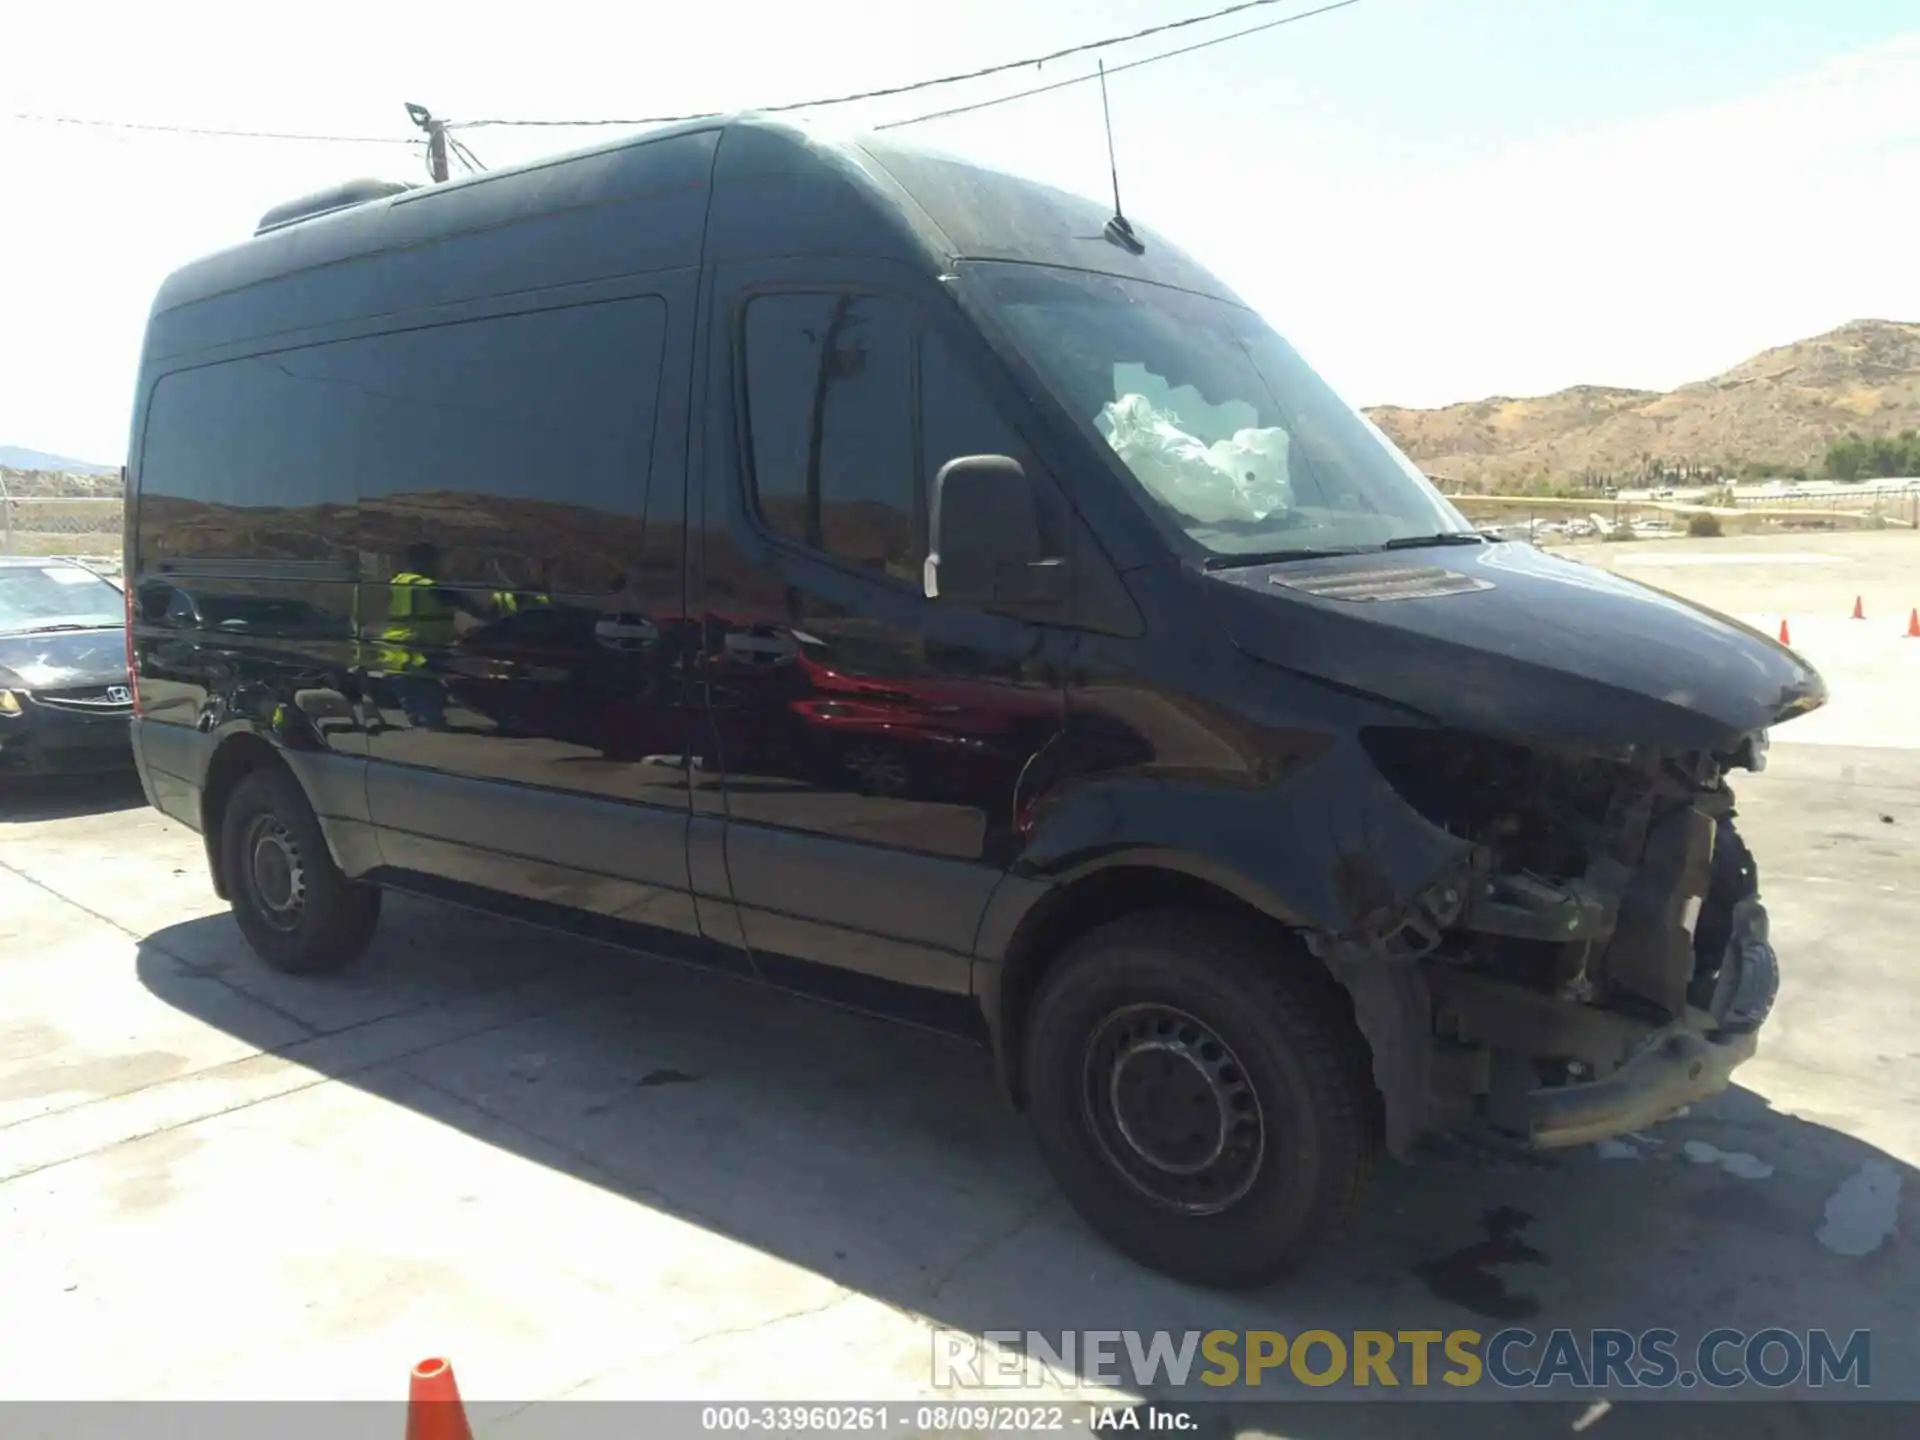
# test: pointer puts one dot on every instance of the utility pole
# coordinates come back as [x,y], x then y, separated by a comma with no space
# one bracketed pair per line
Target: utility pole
[436,140]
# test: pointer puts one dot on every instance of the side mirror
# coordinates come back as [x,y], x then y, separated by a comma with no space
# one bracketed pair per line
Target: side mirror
[985,547]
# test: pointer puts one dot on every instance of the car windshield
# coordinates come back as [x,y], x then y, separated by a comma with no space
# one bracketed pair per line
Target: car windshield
[52,596]
[1230,434]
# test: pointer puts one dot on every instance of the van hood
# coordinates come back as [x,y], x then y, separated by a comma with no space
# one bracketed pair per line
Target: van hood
[63,659]
[1504,639]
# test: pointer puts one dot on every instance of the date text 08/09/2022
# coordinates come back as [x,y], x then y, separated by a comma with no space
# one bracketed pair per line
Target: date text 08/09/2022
[963,1417]
[1514,1359]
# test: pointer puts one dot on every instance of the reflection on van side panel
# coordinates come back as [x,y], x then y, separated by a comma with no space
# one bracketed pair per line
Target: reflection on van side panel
[845,566]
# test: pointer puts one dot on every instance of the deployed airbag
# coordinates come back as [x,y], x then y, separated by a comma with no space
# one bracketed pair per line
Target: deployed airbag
[1242,478]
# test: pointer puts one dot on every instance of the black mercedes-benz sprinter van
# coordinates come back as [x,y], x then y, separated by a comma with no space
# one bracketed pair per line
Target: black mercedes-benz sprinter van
[893,580]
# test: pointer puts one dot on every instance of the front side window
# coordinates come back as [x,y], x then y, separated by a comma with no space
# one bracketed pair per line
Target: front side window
[1230,434]
[830,418]
[958,417]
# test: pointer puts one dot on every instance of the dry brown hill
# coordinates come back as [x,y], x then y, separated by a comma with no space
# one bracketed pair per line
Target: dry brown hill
[60,484]
[1785,405]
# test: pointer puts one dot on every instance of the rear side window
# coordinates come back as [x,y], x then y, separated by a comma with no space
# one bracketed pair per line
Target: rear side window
[520,446]
[829,384]
[246,460]
[517,447]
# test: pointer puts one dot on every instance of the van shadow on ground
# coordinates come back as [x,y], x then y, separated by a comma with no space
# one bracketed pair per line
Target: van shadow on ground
[28,798]
[880,1157]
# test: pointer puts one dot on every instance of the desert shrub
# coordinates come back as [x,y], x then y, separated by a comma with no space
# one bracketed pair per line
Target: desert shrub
[1704,524]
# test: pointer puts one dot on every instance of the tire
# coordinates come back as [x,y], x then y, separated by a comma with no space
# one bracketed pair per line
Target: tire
[1214,1019]
[875,768]
[298,912]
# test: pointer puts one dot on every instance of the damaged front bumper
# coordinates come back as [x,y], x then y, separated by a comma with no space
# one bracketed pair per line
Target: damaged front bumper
[1597,959]
[1680,1064]
[1691,1060]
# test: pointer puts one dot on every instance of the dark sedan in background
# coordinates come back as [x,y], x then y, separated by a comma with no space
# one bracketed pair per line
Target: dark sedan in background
[64,693]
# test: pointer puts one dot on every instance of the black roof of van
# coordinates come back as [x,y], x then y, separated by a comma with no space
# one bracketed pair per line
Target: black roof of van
[729,189]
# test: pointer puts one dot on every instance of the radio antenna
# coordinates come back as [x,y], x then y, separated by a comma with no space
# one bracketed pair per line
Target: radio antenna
[1118,230]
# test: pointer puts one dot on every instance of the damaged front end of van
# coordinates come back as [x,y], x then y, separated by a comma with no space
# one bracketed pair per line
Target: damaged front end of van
[1599,960]
[1594,956]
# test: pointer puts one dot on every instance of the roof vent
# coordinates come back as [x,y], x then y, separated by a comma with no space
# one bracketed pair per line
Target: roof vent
[1399,582]
[325,202]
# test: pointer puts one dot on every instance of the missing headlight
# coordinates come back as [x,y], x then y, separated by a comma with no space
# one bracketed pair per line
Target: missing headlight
[1528,808]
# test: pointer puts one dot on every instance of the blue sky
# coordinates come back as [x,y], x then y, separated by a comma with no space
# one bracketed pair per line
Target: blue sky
[1446,79]
[1435,199]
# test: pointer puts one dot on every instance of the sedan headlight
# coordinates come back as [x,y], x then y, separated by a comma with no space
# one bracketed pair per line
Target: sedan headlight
[9,703]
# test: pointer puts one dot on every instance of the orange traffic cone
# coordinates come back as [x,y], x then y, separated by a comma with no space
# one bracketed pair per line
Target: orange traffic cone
[1785,638]
[434,1411]
[1913,625]
[1858,613]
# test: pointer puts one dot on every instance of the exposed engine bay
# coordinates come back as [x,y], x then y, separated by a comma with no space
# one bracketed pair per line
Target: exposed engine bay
[1609,913]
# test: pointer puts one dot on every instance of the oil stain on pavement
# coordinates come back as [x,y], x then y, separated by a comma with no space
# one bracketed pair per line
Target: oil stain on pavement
[1465,1277]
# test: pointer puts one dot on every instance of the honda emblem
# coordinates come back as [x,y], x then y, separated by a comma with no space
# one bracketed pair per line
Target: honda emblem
[119,694]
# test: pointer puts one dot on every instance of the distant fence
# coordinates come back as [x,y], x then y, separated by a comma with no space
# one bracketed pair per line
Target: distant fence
[1901,507]
[1549,518]
[28,523]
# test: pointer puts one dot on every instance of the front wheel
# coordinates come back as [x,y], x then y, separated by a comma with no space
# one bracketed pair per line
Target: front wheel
[298,911]
[1201,1097]
[877,768]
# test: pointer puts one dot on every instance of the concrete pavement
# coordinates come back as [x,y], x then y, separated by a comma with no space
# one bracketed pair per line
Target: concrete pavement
[591,1175]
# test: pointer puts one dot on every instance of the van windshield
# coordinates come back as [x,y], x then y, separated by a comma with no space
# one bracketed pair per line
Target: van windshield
[1227,430]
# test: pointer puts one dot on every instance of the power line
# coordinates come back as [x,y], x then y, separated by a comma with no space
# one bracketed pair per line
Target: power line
[1116,69]
[203,130]
[955,79]
[885,92]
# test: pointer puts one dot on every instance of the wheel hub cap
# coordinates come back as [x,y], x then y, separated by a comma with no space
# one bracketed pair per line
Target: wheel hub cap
[1172,1108]
[278,878]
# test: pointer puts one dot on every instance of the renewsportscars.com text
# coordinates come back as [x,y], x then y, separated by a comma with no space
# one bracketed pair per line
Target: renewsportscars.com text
[1510,1359]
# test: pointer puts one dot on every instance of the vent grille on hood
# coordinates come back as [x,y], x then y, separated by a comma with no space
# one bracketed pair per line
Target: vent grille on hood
[1392,582]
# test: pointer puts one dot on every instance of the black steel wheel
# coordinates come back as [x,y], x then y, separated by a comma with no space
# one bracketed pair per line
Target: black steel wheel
[276,873]
[1201,1095]
[298,911]
[1173,1109]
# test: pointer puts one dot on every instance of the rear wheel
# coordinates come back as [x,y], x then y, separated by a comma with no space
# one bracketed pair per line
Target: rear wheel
[298,911]
[1200,1097]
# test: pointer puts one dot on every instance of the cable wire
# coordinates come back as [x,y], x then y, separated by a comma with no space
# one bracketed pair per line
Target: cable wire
[202,130]
[954,79]
[467,157]
[1114,69]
